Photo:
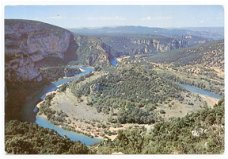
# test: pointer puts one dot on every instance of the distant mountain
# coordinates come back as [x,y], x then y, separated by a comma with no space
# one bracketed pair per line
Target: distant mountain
[96,45]
[210,33]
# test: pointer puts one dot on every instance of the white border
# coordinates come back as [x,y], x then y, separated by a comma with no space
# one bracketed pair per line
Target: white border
[102,2]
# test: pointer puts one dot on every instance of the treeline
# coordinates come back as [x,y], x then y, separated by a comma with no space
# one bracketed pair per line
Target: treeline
[28,138]
[197,133]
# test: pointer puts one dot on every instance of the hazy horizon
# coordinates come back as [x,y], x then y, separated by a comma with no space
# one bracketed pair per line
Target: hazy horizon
[112,26]
[98,16]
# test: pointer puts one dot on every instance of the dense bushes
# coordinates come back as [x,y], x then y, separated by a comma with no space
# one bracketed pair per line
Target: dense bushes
[201,133]
[197,133]
[132,91]
[136,115]
[28,138]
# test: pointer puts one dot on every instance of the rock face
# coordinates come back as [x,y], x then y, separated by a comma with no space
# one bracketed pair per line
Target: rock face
[29,43]
[133,45]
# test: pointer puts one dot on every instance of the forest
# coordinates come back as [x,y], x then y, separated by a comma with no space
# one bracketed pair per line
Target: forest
[29,138]
[133,93]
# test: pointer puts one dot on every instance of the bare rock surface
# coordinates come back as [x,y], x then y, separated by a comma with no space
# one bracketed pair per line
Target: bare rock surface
[29,42]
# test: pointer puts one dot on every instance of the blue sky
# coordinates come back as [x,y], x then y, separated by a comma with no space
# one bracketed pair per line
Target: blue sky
[171,16]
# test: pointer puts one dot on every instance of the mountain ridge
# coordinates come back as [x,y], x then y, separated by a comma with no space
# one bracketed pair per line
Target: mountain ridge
[170,32]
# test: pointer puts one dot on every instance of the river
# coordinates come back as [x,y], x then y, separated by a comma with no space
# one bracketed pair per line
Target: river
[30,110]
[200,91]
[73,136]
[113,61]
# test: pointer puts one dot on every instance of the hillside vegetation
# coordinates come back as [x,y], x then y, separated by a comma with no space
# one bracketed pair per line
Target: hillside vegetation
[131,94]
[209,55]
[28,138]
[91,52]
[201,132]
[202,66]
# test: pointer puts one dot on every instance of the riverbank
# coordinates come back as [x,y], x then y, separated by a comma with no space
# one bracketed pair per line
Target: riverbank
[76,113]
[84,118]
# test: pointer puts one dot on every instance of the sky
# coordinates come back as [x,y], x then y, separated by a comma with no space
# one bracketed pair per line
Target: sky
[170,16]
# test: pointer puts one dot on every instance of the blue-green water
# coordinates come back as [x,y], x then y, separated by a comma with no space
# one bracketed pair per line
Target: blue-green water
[65,133]
[29,112]
[197,90]
[54,85]
[47,124]
[113,62]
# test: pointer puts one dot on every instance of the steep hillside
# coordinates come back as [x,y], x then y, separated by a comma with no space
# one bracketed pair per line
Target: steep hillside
[148,44]
[28,138]
[201,65]
[130,40]
[197,133]
[28,45]
[209,55]
[91,52]
[31,47]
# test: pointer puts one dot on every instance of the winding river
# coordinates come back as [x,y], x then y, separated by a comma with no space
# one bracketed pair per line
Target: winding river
[30,110]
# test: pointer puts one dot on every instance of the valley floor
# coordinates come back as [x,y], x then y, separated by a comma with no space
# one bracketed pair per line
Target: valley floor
[81,117]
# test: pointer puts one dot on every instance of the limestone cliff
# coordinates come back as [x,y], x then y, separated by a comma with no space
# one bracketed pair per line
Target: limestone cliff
[138,44]
[28,45]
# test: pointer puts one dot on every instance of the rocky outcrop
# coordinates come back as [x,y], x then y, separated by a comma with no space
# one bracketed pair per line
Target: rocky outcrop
[137,44]
[28,43]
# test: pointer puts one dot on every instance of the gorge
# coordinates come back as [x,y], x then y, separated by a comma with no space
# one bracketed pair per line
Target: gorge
[102,84]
